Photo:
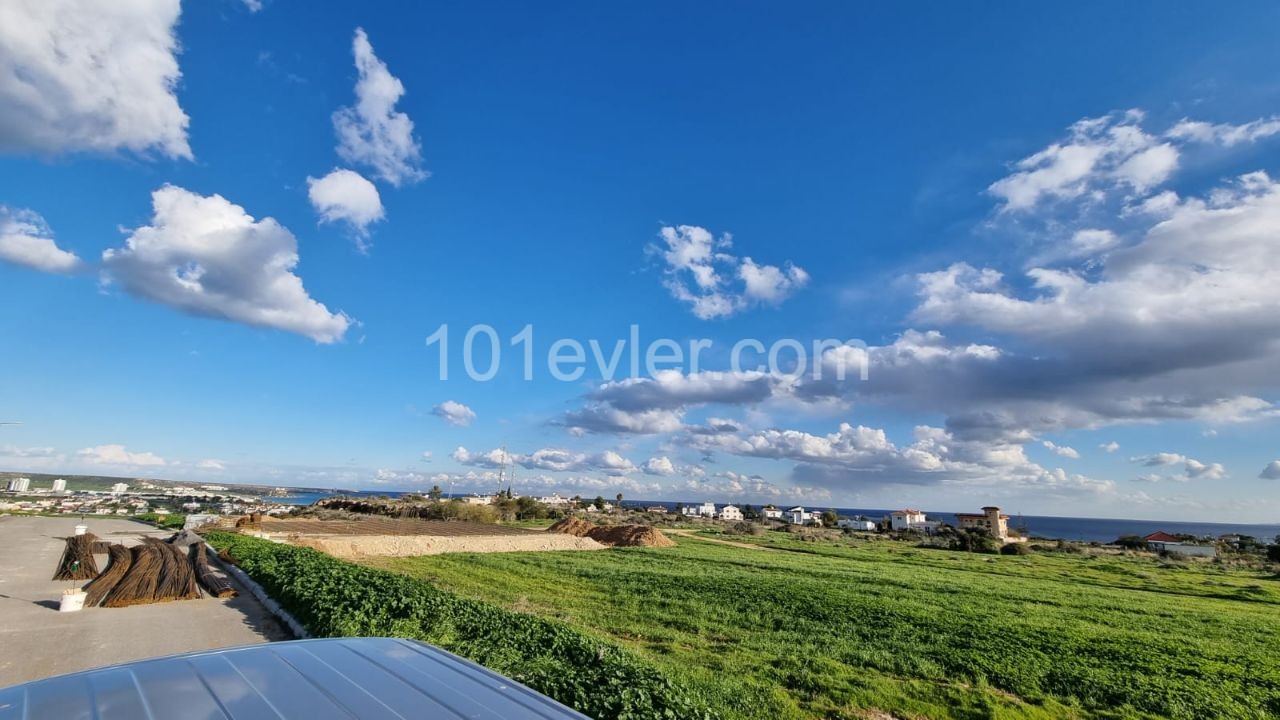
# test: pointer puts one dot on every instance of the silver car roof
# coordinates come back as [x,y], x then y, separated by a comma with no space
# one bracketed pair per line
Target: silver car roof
[361,678]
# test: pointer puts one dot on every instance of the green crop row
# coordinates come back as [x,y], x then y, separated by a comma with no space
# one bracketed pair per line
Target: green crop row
[333,598]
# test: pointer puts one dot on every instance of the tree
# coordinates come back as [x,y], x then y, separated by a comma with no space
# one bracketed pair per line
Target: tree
[619,499]
[598,502]
[749,513]
[829,518]
[435,493]
[1273,553]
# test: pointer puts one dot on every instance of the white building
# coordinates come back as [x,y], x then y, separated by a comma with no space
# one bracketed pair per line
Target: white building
[690,511]
[478,499]
[799,516]
[19,485]
[769,512]
[120,488]
[707,509]
[58,486]
[730,512]
[907,520]
[852,524]
[554,500]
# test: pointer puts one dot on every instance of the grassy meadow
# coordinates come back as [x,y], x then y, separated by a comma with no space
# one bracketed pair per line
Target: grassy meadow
[845,629]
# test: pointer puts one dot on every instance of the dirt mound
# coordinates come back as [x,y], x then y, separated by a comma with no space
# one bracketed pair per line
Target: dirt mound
[617,535]
[630,536]
[572,526]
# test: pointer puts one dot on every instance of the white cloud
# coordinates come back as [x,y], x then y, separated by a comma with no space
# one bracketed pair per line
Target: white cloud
[118,455]
[346,196]
[373,133]
[549,459]
[210,464]
[1110,446]
[25,239]
[1097,152]
[454,413]
[1064,451]
[1192,469]
[661,465]
[1271,471]
[700,269]
[206,256]
[1225,134]
[82,75]
[253,5]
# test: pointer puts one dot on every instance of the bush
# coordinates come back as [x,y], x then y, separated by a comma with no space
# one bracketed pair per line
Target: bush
[333,598]
[1273,553]
[743,528]
[1014,548]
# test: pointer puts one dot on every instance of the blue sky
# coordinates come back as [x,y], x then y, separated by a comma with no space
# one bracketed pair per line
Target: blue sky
[1053,229]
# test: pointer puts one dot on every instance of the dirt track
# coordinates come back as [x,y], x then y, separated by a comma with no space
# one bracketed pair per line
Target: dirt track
[704,538]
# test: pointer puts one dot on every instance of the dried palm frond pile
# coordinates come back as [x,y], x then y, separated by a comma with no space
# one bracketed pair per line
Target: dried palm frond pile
[213,580]
[77,561]
[138,586]
[118,561]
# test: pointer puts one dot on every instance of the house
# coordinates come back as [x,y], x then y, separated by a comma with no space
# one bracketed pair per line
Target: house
[1163,543]
[554,500]
[691,511]
[478,499]
[856,524]
[799,516]
[990,521]
[120,488]
[658,509]
[707,509]
[730,513]
[769,512]
[906,520]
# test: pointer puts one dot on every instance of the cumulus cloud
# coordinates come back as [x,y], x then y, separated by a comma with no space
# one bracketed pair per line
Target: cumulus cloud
[81,75]
[1225,134]
[1110,446]
[1064,451]
[373,133]
[454,413]
[548,459]
[1271,471]
[660,465]
[1097,153]
[119,455]
[346,196]
[25,239]
[702,273]
[206,256]
[1192,469]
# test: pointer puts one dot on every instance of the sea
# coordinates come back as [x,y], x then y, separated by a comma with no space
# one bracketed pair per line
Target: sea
[1103,530]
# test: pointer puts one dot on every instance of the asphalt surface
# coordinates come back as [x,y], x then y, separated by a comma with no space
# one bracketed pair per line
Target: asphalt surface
[37,641]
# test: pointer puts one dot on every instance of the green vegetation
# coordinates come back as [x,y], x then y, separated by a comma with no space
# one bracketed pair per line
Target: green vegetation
[173,521]
[335,598]
[834,629]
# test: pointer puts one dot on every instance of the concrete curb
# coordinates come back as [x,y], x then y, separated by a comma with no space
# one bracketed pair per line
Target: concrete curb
[299,631]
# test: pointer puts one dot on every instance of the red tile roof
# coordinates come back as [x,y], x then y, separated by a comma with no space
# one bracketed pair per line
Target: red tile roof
[1160,537]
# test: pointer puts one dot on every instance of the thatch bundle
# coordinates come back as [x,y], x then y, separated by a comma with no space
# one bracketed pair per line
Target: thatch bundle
[118,561]
[138,586]
[77,561]
[213,580]
[177,576]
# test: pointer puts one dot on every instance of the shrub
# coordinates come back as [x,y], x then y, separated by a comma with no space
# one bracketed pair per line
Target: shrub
[743,528]
[333,598]
[1014,548]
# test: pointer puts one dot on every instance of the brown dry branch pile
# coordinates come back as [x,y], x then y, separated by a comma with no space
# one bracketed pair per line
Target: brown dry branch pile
[77,561]
[118,560]
[615,535]
[178,576]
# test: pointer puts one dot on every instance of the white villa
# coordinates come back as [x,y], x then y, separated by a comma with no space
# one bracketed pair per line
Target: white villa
[554,500]
[907,520]
[706,509]
[730,512]
[799,516]
[769,512]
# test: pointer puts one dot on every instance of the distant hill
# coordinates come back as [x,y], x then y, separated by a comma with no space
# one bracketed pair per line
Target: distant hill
[104,482]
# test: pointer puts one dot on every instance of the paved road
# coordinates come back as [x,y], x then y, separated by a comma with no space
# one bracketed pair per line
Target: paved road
[37,641]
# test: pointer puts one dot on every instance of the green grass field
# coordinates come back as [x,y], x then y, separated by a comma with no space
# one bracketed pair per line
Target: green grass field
[843,629]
